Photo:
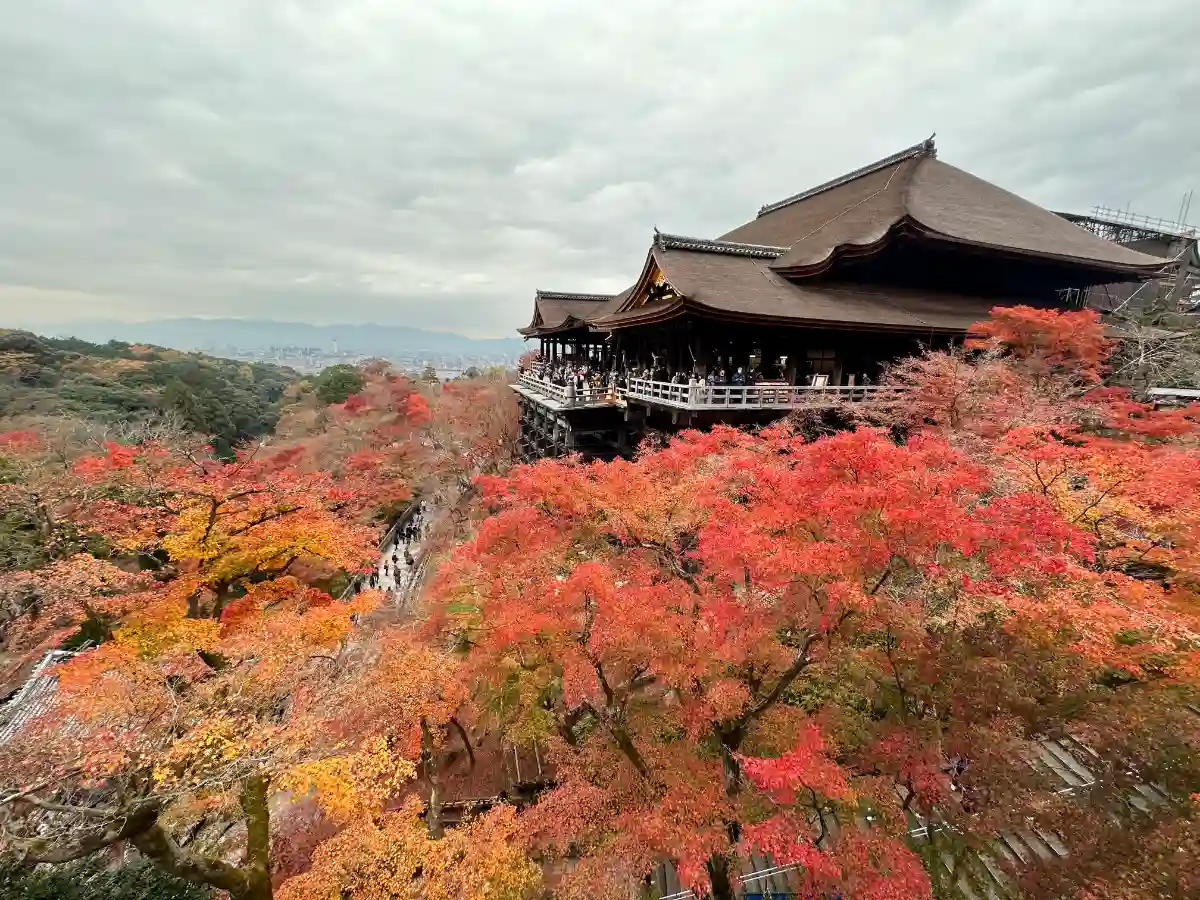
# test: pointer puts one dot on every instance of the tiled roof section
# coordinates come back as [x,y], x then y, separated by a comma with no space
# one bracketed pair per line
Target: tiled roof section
[653,310]
[556,310]
[847,212]
[749,287]
[925,147]
[755,271]
[35,697]
[559,312]
[730,248]
[612,305]
[950,202]
[743,287]
[552,310]
[913,189]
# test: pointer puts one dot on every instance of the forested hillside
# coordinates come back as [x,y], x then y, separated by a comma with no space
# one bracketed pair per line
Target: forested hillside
[225,400]
[939,644]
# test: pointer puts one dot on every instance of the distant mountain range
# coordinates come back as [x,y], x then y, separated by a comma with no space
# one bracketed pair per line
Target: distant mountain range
[215,335]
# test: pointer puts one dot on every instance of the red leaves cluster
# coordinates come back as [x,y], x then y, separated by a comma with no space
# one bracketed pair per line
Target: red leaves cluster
[115,456]
[658,614]
[19,441]
[806,766]
[1047,341]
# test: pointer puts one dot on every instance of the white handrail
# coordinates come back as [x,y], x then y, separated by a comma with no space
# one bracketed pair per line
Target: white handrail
[757,396]
[566,395]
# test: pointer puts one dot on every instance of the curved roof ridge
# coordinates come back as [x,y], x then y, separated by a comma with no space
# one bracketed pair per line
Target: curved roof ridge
[565,295]
[926,147]
[906,184]
[704,245]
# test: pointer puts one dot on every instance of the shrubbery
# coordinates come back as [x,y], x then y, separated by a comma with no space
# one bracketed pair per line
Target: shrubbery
[336,383]
[225,400]
[90,880]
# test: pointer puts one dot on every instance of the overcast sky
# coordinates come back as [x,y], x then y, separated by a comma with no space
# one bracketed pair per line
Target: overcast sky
[432,163]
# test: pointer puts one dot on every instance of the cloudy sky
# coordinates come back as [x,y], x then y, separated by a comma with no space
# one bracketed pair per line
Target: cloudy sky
[434,162]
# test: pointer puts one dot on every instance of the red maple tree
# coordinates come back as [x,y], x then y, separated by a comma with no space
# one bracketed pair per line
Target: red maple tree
[852,654]
[758,642]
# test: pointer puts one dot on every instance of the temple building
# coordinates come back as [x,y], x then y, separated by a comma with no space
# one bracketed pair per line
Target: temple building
[813,296]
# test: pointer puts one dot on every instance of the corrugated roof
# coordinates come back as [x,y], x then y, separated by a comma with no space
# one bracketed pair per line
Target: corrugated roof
[35,697]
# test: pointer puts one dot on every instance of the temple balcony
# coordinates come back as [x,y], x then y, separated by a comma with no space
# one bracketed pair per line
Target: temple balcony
[765,396]
[560,398]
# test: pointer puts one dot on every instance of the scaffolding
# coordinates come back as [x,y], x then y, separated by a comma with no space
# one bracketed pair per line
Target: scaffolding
[1123,226]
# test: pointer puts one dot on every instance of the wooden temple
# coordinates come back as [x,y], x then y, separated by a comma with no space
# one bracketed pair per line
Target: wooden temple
[812,297]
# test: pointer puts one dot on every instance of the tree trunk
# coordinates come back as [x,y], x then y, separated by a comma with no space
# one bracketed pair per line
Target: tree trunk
[433,815]
[161,849]
[718,875]
[625,742]
[257,865]
[730,769]
[250,881]
[718,865]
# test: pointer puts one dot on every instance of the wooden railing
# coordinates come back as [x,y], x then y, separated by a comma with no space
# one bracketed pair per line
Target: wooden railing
[699,396]
[567,396]
[757,396]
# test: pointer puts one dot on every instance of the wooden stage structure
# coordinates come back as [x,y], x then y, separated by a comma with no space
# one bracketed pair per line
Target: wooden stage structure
[808,301]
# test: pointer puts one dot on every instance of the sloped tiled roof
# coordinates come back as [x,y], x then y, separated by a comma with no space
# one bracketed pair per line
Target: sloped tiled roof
[740,287]
[915,189]
[553,310]
[844,206]
[34,698]
[558,311]
[761,269]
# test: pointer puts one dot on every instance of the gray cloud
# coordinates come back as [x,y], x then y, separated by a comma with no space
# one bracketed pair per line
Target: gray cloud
[433,163]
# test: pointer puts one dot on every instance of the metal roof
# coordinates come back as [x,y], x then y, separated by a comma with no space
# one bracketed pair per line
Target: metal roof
[35,697]
[1062,760]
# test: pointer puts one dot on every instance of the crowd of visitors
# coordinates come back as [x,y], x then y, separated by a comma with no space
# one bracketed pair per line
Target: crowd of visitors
[581,380]
[400,558]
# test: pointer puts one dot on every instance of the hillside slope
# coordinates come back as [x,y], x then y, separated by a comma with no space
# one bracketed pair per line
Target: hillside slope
[259,334]
[227,400]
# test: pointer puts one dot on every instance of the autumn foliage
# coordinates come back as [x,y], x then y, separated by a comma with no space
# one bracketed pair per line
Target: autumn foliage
[840,652]
[749,643]
[219,674]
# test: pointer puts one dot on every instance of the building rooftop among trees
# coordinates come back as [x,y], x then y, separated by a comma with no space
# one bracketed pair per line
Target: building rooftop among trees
[814,295]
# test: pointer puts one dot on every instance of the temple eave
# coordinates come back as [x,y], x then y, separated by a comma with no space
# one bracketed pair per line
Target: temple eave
[814,297]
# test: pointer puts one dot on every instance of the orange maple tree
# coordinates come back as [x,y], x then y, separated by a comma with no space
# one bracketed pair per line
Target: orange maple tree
[226,676]
[193,704]
[742,643]
[840,652]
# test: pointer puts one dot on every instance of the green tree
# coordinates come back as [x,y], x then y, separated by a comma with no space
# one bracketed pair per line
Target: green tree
[336,383]
[227,401]
[91,880]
